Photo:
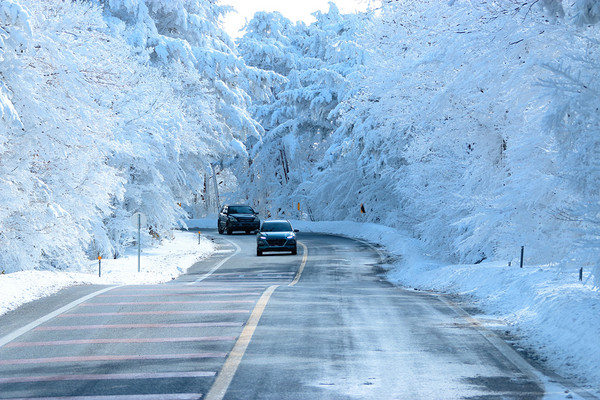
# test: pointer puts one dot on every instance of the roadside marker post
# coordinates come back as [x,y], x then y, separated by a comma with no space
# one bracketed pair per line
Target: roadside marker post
[99,266]
[522,251]
[137,220]
[199,233]
[139,224]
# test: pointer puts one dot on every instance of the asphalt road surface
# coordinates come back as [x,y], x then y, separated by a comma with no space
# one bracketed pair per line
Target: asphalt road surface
[322,324]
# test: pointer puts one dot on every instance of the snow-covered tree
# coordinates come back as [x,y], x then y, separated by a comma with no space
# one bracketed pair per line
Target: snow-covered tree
[573,122]
[301,115]
[437,118]
[59,183]
[15,31]
[473,125]
[110,108]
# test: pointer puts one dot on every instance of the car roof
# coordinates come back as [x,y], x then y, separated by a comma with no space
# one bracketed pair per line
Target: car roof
[276,220]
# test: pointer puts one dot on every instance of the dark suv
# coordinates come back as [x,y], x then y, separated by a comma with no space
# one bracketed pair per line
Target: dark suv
[237,217]
[276,235]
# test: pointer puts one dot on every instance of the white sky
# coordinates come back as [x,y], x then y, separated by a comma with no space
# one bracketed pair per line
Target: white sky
[293,10]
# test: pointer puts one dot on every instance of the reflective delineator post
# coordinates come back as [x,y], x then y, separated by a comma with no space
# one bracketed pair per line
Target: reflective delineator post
[522,251]
[199,237]
[99,265]
[139,238]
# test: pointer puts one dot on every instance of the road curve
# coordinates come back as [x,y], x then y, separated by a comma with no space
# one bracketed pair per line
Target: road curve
[322,324]
[345,333]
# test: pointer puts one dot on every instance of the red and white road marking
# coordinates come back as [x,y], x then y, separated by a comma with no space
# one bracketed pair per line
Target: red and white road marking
[191,312]
[207,287]
[121,302]
[187,294]
[106,377]
[174,396]
[136,357]
[259,274]
[137,326]
[133,340]
[153,303]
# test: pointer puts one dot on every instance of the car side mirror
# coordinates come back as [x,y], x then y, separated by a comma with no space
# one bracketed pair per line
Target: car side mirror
[296,230]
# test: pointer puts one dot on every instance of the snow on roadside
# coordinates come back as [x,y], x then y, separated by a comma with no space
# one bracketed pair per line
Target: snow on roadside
[550,311]
[159,264]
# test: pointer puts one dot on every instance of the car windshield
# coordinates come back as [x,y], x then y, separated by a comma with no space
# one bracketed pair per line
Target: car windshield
[241,210]
[276,227]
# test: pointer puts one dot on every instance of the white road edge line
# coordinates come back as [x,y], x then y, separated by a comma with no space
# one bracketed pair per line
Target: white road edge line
[379,252]
[220,264]
[504,348]
[552,386]
[12,336]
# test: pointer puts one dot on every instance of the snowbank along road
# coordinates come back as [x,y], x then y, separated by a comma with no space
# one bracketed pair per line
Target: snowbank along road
[319,325]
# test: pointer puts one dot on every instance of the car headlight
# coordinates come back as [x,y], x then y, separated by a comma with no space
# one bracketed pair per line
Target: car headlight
[262,237]
[291,237]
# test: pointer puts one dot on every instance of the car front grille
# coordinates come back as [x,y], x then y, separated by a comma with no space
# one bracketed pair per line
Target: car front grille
[276,242]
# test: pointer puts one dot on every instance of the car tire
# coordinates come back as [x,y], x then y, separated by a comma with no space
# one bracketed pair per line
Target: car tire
[295,251]
[258,252]
[219,229]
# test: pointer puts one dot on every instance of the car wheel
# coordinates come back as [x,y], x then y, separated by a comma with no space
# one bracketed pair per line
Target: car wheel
[219,229]
[295,251]
[258,252]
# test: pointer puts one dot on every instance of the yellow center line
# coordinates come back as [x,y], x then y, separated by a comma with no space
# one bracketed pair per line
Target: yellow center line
[302,264]
[223,380]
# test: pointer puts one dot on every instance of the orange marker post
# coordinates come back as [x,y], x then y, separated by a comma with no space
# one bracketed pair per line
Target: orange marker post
[99,266]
